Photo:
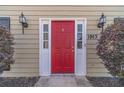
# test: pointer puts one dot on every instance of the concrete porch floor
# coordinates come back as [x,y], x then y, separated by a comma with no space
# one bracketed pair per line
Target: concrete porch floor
[63,81]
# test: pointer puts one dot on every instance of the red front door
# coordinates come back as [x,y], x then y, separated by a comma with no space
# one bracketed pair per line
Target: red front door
[62,46]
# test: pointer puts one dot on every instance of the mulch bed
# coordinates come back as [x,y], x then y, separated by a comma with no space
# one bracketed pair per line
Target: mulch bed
[106,81]
[30,81]
[18,81]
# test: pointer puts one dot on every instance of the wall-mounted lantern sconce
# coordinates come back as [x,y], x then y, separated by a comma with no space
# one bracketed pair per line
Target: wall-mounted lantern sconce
[23,21]
[102,21]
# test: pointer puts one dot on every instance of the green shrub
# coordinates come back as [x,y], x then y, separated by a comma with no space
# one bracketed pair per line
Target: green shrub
[6,49]
[110,48]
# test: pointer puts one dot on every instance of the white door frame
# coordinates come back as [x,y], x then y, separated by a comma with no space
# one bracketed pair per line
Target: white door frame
[45,54]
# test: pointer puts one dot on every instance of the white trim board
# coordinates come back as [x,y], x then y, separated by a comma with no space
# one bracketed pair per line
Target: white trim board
[45,54]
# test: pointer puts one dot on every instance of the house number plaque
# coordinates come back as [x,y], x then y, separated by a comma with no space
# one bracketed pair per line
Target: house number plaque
[92,36]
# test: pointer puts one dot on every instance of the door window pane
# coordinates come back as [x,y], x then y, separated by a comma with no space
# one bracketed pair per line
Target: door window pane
[79,27]
[45,27]
[79,44]
[79,36]
[45,44]
[45,36]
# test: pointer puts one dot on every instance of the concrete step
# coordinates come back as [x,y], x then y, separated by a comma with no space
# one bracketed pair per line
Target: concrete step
[63,81]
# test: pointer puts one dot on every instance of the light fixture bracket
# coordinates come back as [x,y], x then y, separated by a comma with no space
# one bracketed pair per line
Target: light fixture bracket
[102,21]
[23,21]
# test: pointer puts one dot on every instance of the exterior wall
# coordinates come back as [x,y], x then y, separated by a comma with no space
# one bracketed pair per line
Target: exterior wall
[27,45]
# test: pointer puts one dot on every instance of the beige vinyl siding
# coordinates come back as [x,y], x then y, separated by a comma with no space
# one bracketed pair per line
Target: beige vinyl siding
[27,45]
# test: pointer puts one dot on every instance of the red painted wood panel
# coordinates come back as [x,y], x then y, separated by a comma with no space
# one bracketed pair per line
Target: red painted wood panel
[62,46]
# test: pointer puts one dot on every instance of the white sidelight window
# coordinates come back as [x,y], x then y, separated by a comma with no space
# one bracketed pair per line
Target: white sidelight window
[80,46]
[44,48]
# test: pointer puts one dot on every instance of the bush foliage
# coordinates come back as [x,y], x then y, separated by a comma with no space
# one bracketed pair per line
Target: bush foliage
[110,48]
[6,49]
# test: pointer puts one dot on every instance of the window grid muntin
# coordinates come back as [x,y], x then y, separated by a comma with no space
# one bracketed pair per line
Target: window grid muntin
[45,36]
[79,32]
